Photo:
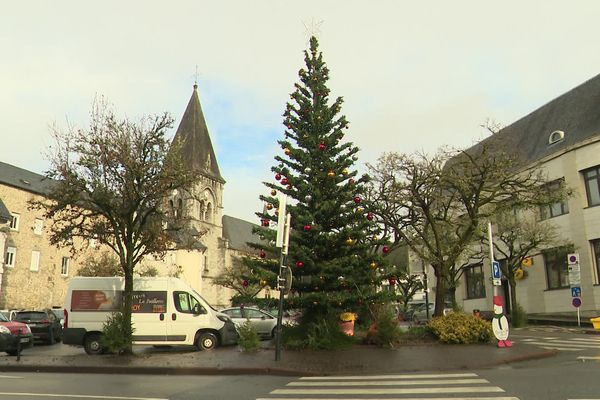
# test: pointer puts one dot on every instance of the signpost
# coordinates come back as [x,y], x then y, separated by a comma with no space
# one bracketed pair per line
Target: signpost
[575,282]
[496,273]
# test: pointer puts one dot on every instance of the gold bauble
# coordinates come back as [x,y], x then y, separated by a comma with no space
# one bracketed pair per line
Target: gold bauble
[373,265]
[287,151]
[273,192]
[331,174]
[349,241]
[269,206]
[345,171]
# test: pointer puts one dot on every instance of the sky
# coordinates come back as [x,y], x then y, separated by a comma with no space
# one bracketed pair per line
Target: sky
[414,75]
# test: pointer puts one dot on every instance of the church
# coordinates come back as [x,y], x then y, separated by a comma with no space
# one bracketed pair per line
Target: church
[34,274]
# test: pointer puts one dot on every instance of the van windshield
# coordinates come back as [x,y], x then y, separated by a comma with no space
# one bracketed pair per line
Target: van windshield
[204,300]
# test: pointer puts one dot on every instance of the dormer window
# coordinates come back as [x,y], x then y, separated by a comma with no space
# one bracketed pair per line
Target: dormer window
[556,137]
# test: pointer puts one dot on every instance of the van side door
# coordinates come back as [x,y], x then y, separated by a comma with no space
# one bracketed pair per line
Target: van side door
[148,314]
[184,322]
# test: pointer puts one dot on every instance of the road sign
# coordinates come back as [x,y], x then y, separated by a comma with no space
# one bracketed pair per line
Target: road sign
[496,273]
[576,291]
[573,258]
[574,275]
[576,302]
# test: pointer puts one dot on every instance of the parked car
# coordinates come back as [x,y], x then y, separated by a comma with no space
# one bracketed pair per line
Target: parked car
[12,333]
[8,314]
[417,312]
[264,322]
[43,324]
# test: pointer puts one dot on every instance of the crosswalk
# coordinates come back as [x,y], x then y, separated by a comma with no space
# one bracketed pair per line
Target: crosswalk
[561,343]
[451,386]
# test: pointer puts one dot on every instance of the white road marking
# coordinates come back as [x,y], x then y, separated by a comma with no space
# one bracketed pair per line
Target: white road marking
[587,340]
[588,358]
[565,343]
[559,348]
[78,396]
[392,383]
[396,398]
[10,377]
[401,376]
[465,389]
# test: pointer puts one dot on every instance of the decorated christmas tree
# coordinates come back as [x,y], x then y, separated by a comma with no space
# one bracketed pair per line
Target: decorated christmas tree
[335,250]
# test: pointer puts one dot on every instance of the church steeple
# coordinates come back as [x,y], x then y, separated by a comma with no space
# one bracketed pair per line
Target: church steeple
[196,147]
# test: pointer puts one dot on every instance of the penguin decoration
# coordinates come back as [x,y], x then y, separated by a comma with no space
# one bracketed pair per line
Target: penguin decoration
[500,323]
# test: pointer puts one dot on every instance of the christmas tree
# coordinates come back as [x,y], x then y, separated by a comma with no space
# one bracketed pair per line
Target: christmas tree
[333,239]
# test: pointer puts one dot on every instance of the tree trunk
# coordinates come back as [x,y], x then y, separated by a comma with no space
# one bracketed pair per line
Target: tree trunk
[440,291]
[513,294]
[452,295]
[127,300]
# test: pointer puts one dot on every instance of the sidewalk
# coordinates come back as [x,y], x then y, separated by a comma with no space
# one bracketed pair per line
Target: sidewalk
[360,359]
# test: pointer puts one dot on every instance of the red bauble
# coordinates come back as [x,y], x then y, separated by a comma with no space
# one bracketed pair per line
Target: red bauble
[322,146]
[307,227]
[262,254]
[284,181]
[370,216]
[299,264]
[245,283]
[265,222]
[277,176]
[351,181]
[357,199]
[386,249]
[392,281]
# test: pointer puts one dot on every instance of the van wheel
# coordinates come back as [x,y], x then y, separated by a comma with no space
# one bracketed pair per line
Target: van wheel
[206,341]
[11,352]
[92,344]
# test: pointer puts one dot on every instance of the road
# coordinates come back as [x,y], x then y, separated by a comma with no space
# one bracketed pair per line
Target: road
[572,374]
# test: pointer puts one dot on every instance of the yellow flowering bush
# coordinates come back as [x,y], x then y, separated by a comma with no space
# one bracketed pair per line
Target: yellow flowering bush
[461,328]
[347,317]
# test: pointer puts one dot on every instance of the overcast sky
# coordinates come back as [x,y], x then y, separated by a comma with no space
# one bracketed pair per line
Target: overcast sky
[415,75]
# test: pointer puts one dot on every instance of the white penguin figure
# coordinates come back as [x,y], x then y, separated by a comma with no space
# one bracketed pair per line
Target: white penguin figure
[500,323]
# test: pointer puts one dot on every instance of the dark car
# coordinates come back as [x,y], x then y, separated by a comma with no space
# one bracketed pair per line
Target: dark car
[12,334]
[43,324]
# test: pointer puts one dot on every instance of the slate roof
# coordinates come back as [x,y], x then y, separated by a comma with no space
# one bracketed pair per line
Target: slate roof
[197,149]
[4,213]
[239,232]
[26,180]
[576,113]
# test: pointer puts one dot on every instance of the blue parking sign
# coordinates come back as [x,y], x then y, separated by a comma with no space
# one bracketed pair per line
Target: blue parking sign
[576,291]
[496,274]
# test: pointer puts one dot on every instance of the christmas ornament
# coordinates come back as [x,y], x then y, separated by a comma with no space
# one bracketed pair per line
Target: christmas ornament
[322,146]
[284,181]
[359,210]
[273,192]
[307,170]
[392,281]
[308,197]
[349,241]
[357,199]
[370,216]
[287,151]
[373,265]
[262,254]
[269,206]
[277,177]
[265,222]
[299,264]
[307,227]
[331,174]
[245,283]
[342,206]
[355,158]
[351,181]
[386,249]
[289,187]
[345,171]
[263,282]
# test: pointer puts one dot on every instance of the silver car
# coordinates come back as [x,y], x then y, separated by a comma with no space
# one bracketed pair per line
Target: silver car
[264,323]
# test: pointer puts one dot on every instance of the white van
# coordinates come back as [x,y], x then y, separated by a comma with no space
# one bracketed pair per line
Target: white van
[165,311]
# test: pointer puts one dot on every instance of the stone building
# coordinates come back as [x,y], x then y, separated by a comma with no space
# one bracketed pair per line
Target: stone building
[35,274]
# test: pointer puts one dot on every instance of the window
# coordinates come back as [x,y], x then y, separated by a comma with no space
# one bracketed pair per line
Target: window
[555,209]
[475,282]
[596,250]
[35,261]
[592,185]
[185,303]
[14,223]
[205,263]
[64,267]
[11,255]
[556,137]
[234,313]
[38,226]
[555,261]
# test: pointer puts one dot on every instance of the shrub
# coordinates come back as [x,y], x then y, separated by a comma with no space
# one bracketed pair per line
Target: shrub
[248,337]
[113,338]
[317,335]
[457,327]
[518,317]
[387,333]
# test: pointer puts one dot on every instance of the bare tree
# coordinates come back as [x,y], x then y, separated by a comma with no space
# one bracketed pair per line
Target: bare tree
[436,204]
[112,183]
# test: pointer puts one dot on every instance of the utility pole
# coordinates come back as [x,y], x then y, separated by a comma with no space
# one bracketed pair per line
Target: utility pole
[284,279]
[425,289]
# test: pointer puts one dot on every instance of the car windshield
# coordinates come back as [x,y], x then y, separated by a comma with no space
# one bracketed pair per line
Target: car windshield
[31,315]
